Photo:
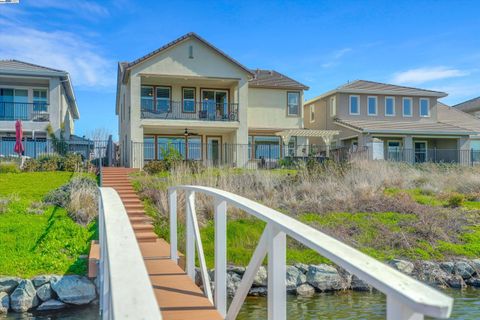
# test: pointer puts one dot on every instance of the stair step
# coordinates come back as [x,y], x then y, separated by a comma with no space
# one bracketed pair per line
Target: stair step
[146,236]
[135,212]
[142,227]
[140,219]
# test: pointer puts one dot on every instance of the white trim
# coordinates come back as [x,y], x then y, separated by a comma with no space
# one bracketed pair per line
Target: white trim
[385,106]
[376,106]
[350,104]
[333,106]
[403,107]
[299,104]
[420,108]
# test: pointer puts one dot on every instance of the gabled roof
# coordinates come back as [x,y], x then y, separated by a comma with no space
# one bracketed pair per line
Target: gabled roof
[471,105]
[190,35]
[274,79]
[17,65]
[456,117]
[372,87]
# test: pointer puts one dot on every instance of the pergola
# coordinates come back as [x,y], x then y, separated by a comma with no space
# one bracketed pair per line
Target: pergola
[326,135]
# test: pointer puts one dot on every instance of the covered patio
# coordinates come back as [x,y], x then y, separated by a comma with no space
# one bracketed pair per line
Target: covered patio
[326,135]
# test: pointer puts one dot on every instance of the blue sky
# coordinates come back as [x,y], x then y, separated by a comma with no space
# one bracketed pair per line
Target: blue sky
[428,44]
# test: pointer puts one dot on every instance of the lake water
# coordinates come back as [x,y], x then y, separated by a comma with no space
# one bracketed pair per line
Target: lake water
[345,305]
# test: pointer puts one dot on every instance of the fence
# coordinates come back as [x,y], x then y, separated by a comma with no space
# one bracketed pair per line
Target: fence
[465,157]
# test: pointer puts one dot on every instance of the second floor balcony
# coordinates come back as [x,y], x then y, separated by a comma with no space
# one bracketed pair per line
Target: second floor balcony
[12,111]
[206,110]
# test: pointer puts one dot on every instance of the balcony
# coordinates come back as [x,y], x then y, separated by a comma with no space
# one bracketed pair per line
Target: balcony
[189,110]
[11,111]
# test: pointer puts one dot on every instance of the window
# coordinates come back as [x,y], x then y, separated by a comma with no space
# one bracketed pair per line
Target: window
[312,113]
[293,103]
[355,105]
[266,147]
[147,98]
[407,107]
[163,99]
[40,100]
[333,106]
[372,106]
[424,107]
[178,143]
[148,148]
[292,146]
[389,106]
[188,99]
[214,104]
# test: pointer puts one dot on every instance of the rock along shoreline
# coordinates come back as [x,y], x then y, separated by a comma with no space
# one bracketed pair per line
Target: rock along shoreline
[45,293]
[306,280]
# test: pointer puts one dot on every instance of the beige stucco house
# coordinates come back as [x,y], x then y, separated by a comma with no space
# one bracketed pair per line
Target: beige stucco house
[392,122]
[38,96]
[190,95]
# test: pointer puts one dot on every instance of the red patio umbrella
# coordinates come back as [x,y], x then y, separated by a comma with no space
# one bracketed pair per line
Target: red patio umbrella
[18,138]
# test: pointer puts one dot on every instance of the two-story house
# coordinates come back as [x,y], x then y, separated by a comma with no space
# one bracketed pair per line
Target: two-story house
[38,96]
[394,122]
[190,95]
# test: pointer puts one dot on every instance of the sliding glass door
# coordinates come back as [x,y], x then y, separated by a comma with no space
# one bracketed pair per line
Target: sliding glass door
[215,104]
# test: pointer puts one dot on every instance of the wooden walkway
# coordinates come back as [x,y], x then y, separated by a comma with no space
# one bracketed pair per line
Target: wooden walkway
[177,295]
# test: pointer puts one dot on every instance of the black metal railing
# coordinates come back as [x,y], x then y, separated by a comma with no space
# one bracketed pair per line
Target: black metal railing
[11,111]
[189,110]
[434,155]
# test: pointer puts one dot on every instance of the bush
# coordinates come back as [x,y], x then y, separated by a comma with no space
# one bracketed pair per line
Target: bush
[31,165]
[51,162]
[171,156]
[155,166]
[72,162]
[455,200]
[9,167]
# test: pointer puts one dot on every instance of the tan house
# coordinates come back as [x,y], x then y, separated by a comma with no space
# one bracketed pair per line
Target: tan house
[38,96]
[471,106]
[190,95]
[391,122]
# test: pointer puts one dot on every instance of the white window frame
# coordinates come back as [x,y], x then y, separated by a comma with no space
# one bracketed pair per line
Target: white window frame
[420,108]
[376,105]
[385,106]
[312,113]
[350,104]
[297,93]
[403,107]
[333,106]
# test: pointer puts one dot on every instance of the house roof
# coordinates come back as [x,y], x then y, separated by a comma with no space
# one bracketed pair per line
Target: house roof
[17,67]
[471,105]
[405,127]
[273,79]
[372,87]
[190,35]
[456,117]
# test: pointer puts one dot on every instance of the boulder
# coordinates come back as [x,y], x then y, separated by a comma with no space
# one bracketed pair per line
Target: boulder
[402,265]
[260,279]
[73,289]
[294,278]
[456,281]
[325,278]
[44,292]
[474,282]
[41,280]
[8,284]
[233,281]
[358,284]
[24,297]
[431,273]
[463,269]
[237,270]
[475,263]
[302,267]
[258,291]
[4,302]
[447,266]
[51,304]
[305,290]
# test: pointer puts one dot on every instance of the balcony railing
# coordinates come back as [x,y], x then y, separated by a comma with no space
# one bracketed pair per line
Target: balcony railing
[189,110]
[11,111]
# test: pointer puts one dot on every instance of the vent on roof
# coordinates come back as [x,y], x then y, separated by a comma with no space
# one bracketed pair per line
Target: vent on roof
[190,52]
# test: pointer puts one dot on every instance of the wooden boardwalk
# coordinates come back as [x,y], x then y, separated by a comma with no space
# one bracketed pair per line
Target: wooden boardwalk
[177,295]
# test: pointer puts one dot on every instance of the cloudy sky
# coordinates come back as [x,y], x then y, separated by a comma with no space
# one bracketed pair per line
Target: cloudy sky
[427,44]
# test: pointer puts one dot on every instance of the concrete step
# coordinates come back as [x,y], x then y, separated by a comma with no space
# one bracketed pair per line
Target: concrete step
[142,227]
[140,219]
[136,212]
[131,201]
[148,236]
[133,206]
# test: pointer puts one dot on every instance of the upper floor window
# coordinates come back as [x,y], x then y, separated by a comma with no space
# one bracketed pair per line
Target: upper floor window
[293,103]
[372,106]
[147,98]
[40,100]
[163,99]
[424,107]
[188,99]
[354,105]
[389,106]
[333,106]
[312,113]
[407,107]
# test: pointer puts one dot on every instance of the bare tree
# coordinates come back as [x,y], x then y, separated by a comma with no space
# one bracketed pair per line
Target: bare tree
[99,134]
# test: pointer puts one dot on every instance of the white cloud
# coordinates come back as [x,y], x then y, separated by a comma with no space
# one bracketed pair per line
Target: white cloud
[84,8]
[335,57]
[421,75]
[59,50]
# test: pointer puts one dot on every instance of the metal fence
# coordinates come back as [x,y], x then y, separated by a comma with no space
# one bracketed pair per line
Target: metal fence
[189,110]
[11,111]
[460,156]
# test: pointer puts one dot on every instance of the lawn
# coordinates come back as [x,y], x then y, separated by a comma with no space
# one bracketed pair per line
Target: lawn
[46,243]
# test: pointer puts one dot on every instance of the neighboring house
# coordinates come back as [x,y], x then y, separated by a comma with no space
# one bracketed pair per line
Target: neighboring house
[471,106]
[190,95]
[393,122]
[38,96]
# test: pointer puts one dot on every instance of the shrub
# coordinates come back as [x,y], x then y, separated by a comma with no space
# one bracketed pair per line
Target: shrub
[9,167]
[72,162]
[455,200]
[171,156]
[51,162]
[31,165]
[155,166]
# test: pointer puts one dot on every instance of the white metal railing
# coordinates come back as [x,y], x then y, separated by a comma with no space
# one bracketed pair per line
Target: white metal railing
[125,288]
[407,298]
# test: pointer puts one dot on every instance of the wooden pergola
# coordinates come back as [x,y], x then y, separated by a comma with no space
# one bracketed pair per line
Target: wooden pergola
[326,135]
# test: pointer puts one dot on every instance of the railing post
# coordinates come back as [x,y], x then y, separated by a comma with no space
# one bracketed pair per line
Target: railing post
[172,201]
[398,311]
[277,248]
[221,257]
[190,236]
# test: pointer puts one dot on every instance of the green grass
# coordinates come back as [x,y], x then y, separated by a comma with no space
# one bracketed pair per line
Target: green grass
[33,244]
[418,196]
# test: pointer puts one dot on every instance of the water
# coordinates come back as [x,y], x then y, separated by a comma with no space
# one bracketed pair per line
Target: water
[348,305]
[353,305]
